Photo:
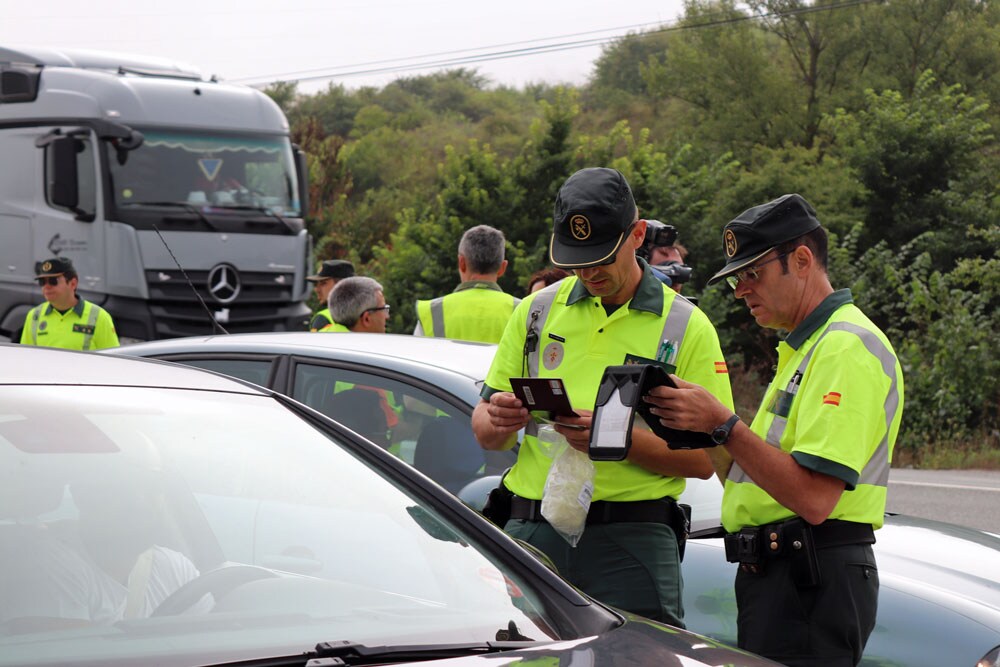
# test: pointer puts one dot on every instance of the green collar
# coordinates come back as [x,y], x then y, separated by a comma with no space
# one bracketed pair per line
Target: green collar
[478,284]
[78,308]
[648,295]
[818,317]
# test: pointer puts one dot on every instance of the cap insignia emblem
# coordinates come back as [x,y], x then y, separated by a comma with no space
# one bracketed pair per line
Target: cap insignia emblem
[47,266]
[579,225]
[730,240]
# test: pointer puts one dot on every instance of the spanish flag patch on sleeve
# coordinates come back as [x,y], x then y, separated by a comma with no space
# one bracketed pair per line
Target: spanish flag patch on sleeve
[832,398]
[720,367]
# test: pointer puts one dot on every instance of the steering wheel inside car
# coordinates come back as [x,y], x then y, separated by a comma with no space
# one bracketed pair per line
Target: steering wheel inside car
[217,582]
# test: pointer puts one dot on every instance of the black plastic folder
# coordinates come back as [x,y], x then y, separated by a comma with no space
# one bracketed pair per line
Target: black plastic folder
[619,397]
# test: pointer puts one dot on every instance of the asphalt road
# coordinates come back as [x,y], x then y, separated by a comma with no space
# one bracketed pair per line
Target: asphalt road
[966,497]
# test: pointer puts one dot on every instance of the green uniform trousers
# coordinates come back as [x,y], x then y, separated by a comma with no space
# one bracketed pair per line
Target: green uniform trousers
[630,565]
[818,626]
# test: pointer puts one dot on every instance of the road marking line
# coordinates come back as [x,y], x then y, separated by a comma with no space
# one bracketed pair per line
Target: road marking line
[964,487]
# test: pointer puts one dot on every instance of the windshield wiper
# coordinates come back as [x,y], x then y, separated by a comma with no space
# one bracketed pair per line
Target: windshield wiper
[177,204]
[261,209]
[351,654]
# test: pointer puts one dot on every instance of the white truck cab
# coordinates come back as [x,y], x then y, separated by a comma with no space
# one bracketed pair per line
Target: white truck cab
[146,176]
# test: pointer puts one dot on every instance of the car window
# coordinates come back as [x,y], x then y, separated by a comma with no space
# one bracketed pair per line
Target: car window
[257,371]
[421,428]
[215,520]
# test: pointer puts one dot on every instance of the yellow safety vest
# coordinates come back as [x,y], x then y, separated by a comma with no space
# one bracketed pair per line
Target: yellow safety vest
[476,311]
[835,405]
[85,326]
[577,340]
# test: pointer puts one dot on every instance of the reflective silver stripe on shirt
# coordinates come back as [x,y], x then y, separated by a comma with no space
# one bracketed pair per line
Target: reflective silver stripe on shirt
[91,326]
[677,321]
[537,314]
[437,317]
[876,471]
[34,324]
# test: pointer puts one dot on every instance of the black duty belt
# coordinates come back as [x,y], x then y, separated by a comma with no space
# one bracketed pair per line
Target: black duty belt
[602,511]
[753,545]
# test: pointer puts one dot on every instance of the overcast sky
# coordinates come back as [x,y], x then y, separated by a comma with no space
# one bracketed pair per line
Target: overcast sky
[254,41]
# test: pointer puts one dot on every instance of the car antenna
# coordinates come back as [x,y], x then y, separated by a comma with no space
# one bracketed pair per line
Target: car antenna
[215,323]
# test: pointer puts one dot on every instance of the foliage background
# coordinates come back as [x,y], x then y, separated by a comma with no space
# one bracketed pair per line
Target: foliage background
[883,115]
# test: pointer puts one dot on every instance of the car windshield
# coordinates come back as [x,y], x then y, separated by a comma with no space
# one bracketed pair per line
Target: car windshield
[201,527]
[213,173]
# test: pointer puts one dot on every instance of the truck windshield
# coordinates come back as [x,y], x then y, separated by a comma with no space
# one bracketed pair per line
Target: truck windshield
[211,172]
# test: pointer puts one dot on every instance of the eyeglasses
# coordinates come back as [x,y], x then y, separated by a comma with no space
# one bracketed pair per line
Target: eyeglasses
[372,310]
[752,274]
[48,280]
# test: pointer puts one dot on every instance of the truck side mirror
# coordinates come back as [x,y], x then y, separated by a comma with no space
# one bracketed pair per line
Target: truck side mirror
[302,175]
[64,185]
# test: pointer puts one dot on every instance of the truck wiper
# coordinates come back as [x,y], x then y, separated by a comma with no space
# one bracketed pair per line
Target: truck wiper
[261,209]
[352,654]
[178,204]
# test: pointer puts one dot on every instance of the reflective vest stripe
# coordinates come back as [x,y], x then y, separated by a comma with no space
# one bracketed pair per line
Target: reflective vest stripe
[677,321]
[876,471]
[535,323]
[34,324]
[91,325]
[437,317]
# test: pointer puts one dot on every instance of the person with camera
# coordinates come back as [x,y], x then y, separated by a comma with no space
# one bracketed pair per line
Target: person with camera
[805,483]
[665,255]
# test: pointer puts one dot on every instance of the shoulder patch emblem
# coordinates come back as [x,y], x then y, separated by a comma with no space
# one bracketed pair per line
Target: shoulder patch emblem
[720,367]
[832,398]
[579,226]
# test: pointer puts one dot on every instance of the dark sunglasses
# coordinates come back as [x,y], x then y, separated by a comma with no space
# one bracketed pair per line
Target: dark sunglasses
[48,280]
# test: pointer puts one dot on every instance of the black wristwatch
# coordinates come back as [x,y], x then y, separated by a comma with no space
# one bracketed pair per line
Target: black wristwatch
[720,434]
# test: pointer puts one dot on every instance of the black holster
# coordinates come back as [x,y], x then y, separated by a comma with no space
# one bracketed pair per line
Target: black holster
[498,504]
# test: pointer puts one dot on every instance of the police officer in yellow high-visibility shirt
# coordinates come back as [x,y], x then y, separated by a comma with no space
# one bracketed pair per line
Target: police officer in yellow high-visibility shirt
[330,273]
[628,554]
[478,309]
[65,320]
[805,483]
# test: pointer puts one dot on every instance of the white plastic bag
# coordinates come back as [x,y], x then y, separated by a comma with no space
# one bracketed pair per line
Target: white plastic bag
[568,488]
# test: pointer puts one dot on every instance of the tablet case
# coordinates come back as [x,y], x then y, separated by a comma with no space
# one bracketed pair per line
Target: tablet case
[635,381]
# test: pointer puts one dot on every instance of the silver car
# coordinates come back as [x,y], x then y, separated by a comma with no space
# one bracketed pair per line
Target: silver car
[940,583]
[153,514]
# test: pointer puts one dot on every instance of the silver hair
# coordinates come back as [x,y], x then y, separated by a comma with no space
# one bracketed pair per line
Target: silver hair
[483,248]
[351,297]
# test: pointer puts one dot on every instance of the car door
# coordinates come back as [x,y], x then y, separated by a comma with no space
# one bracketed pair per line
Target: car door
[410,417]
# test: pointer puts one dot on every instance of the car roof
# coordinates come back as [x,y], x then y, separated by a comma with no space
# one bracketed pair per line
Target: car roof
[27,364]
[469,359]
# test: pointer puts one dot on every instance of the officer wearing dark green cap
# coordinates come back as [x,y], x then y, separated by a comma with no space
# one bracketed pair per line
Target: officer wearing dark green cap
[330,272]
[805,483]
[611,307]
[65,320]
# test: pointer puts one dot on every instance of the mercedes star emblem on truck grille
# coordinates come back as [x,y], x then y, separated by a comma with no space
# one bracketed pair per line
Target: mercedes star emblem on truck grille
[224,283]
